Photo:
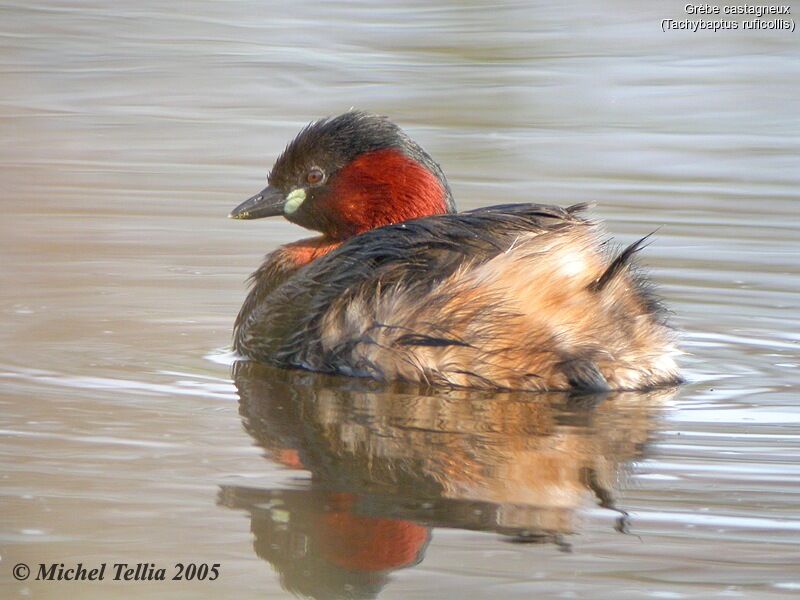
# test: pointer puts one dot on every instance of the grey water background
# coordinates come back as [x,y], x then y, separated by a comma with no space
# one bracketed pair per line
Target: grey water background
[129,130]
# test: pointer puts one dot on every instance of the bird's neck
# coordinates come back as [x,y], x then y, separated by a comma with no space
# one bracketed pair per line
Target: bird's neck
[300,253]
[382,188]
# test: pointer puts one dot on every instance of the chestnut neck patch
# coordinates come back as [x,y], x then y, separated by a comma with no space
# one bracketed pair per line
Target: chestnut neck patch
[381,188]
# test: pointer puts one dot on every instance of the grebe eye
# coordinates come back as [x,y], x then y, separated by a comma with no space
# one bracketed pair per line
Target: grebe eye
[315,176]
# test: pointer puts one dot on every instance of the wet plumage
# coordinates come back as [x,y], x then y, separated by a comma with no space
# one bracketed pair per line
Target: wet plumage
[515,296]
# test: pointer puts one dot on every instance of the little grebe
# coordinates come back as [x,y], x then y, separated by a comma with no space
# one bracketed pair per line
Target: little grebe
[401,287]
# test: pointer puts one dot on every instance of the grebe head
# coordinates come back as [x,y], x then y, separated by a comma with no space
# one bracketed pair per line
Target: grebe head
[348,174]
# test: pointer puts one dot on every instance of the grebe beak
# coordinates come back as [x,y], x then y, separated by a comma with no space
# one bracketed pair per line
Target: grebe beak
[269,202]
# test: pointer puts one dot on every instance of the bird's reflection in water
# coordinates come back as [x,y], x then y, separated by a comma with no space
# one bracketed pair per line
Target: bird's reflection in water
[388,465]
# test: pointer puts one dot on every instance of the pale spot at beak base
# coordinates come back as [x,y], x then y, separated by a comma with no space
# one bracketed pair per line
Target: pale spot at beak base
[294,200]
